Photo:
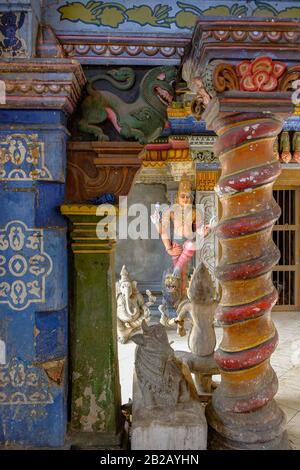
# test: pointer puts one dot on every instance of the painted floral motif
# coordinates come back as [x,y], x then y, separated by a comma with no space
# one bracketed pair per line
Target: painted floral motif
[11,44]
[22,384]
[22,158]
[113,14]
[260,74]
[24,265]
[183,15]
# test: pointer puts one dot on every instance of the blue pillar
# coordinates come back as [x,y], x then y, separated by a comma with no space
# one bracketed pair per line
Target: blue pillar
[33,269]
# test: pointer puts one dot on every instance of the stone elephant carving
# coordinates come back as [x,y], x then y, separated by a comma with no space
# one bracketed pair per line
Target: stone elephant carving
[131,307]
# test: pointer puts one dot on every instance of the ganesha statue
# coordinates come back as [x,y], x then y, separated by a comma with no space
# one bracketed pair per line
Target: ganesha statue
[131,307]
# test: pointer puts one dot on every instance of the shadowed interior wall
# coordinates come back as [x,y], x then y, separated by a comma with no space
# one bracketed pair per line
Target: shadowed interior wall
[145,259]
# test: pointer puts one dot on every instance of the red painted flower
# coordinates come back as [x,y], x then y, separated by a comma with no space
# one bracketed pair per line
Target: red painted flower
[260,74]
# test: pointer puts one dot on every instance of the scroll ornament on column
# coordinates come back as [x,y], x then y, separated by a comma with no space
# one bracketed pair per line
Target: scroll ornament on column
[261,74]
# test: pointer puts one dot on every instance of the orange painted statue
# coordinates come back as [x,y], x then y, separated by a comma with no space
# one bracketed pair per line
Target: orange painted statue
[188,231]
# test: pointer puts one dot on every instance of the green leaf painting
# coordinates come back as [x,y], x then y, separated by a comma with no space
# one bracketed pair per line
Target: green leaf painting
[182,16]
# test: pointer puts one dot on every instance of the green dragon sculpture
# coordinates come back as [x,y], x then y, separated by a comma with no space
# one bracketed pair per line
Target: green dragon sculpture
[142,120]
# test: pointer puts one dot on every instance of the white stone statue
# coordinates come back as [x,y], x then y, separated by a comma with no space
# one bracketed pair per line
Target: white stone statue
[131,307]
[166,412]
[163,380]
[202,337]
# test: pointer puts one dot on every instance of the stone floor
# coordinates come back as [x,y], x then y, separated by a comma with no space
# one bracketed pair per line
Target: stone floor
[285,360]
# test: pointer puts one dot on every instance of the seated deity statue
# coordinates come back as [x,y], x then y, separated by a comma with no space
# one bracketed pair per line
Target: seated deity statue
[131,307]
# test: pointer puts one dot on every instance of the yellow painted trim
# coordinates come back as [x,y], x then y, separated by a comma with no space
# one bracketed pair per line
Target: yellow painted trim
[288,178]
[248,300]
[250,235]
[92,251]
[78,209]
[262,340]
[85,223]
[155,164]
[91,244]
[82,230]
[85,238]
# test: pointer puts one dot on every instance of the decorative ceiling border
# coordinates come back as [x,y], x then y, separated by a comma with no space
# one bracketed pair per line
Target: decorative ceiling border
[42,83]
[134,50]
[154,50]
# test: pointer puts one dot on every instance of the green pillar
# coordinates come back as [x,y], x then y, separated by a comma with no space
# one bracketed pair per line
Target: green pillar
[95,388]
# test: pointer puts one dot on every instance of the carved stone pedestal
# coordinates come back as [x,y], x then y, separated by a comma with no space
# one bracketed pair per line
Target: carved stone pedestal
[183,428]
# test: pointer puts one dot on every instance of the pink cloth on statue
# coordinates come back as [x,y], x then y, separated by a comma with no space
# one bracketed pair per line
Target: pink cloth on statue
[188,250]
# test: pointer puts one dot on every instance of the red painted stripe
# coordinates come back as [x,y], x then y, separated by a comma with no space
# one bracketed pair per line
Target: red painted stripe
[166,146]
[246,132]
[266,394]
[248,224]
[249,269]
[247,358]
[249,178]
[229,315]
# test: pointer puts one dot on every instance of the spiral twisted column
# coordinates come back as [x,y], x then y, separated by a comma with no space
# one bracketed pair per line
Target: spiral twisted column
[243,413]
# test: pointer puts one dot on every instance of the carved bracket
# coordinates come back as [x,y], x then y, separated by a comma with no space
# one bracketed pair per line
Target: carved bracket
[95,168]
[213,67]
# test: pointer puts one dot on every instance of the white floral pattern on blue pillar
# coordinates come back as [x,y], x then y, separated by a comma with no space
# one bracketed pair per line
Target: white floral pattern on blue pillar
[23,264]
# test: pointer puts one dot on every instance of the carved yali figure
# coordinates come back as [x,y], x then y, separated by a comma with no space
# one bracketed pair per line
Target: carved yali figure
[142,120]
[171,291]
[131,308]
[164,381]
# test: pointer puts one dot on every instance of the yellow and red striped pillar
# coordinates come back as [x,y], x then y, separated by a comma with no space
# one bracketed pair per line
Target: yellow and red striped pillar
[245,96]
[243,413]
